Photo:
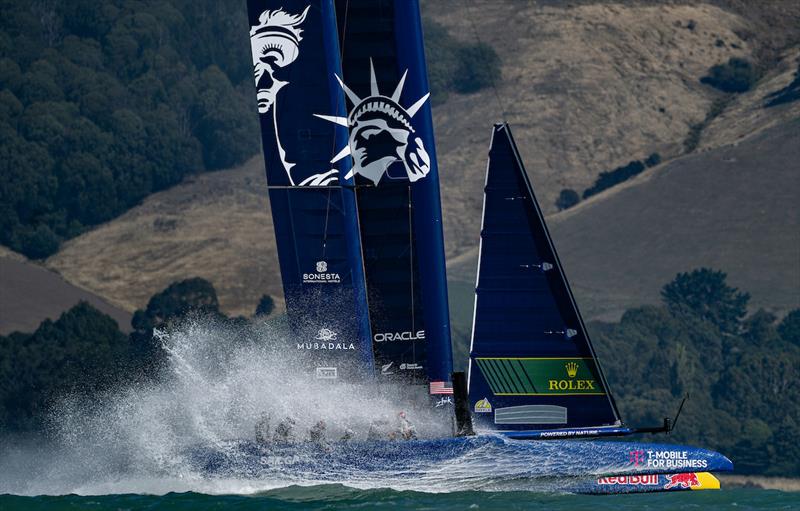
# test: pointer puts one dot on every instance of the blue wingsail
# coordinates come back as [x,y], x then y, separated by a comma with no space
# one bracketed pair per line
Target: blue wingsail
[351,166]
[394,166]
[532,365]
[295,61]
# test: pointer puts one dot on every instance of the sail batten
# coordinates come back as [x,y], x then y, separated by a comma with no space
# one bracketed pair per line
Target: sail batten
[530,351]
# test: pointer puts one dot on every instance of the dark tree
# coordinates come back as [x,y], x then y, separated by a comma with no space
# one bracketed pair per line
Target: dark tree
[789,327]
[653,160]
[82,352]
[703,293]
[736,75]
[266,305]
[567,198]
[479,67]
[176,301]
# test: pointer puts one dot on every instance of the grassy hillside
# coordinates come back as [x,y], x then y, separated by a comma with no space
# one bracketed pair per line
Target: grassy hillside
[216,226]
[584,88]
[733,208]
[30,294]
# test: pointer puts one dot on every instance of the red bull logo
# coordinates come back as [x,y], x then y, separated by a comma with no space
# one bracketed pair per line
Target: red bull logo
[687,481]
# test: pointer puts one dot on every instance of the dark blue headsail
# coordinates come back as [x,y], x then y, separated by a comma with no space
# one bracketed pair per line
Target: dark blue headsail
[532,365]
[394,167]
[296,59]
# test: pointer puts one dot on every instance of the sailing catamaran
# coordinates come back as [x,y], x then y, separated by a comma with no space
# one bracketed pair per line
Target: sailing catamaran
[351,168]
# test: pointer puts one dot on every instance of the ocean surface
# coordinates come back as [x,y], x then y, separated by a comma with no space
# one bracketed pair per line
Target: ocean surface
[342,497]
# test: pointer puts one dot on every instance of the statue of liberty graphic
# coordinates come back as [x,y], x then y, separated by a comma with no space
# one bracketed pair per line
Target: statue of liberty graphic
[380,128]
[275,44]
[381,133]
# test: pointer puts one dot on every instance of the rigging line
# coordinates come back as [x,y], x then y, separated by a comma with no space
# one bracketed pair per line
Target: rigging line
[491,77]
[341,64]
[325,232]
[335,128]
[411,258]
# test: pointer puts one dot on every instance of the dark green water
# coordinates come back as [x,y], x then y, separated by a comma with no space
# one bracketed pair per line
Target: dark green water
[341,497]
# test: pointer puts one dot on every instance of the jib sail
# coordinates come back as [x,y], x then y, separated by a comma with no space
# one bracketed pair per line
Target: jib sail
[296,59]
[532,365]
[394,167]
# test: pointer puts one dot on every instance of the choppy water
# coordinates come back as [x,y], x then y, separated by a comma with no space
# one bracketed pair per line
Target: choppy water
[137,448]
[344,498]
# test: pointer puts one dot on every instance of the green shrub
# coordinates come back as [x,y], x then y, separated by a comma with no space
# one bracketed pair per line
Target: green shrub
[567,198]
[736,75]
[608,179]
[454,66]
[478,67]
[652,160]
[266,305]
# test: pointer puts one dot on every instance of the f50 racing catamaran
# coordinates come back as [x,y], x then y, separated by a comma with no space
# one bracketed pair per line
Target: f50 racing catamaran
[353,182]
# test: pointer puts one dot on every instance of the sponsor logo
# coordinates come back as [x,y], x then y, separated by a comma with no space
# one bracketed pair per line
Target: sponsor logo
[410,367]
[381,134]
[321,276]
[670,460]
[447,400]
[325,334]
[399,336]
[571,383]
[483,406]
[689,480]
[335,346]
[327,373]
[572,369]
[386,368]
[635,458]
[326,338]
[634,480]
[522,376]
[570,433]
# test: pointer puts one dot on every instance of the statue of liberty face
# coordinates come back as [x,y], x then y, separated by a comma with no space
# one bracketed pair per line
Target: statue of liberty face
[379,136]
[275,43]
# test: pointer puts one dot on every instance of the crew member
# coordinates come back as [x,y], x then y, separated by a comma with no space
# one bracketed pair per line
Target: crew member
[406,430]
[262,429]
[317,432]
[284,431]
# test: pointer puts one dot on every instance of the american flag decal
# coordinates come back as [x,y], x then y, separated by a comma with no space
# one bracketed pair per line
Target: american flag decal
[441,387]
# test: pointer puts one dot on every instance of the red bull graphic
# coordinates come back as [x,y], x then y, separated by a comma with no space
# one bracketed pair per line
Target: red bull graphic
[647,483]
[636,480]
[685,481]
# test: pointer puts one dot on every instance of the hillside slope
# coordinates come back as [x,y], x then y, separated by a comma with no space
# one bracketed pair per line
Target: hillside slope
[29,294]
[584,87]
[587,87]
[215,226]
[733,208]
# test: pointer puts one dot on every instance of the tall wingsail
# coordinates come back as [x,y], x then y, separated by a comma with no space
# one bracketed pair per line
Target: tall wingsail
[532,365]
[395,171]
[353,183]
[296,60]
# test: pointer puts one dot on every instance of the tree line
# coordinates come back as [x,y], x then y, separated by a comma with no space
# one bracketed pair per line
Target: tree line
[740,371]
[104,103]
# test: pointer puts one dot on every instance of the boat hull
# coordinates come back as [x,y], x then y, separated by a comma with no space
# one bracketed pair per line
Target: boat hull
[483,462]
